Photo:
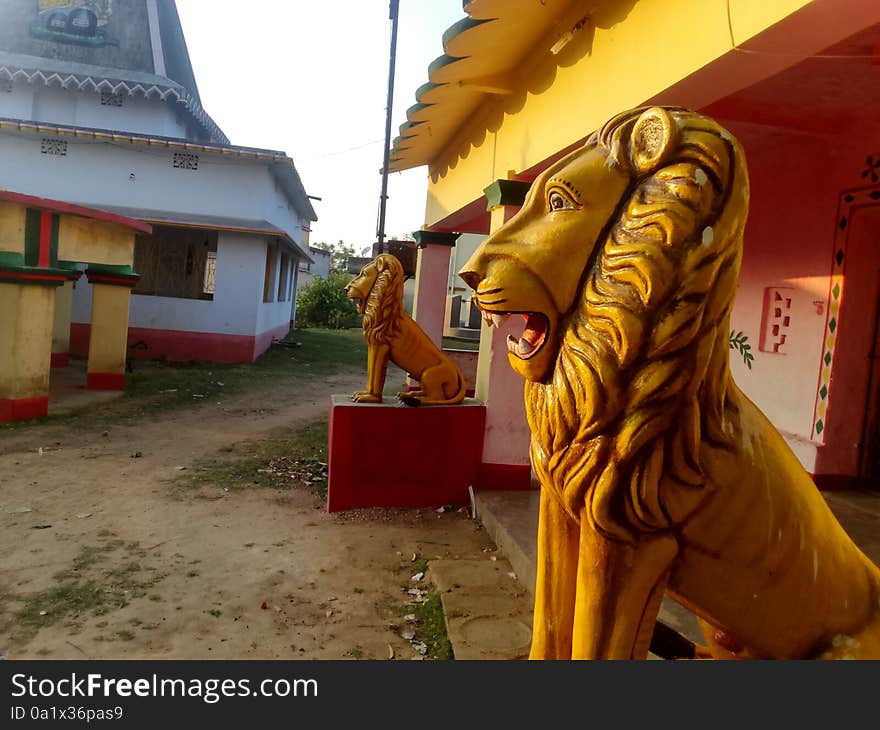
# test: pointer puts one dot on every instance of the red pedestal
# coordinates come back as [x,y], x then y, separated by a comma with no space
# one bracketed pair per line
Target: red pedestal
[392,455]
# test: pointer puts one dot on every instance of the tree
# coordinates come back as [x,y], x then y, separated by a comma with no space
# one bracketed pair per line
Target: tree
[339,252]
[323,303]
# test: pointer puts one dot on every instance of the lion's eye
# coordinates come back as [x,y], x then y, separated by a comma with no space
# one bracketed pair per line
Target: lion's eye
[558,201]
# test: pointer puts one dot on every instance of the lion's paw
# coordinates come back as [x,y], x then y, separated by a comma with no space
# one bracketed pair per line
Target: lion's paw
[366,397]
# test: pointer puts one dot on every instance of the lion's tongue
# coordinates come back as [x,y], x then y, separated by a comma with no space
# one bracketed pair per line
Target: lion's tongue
[532,336]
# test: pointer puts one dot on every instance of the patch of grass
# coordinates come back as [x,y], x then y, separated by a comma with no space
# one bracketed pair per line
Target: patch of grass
[430,628]
[288,458]
[215,613]
[156,385]
[125,635]
[83,588]
[355,653]
[47,607]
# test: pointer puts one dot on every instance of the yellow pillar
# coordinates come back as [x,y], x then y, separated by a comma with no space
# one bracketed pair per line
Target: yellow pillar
[505,461]
[61,327]
[26,315]
[108,340]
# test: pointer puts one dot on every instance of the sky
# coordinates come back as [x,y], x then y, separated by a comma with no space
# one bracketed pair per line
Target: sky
[311,79]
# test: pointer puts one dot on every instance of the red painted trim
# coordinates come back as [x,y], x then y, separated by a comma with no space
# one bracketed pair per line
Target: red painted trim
[106,381]
[112,280]
[57,206]
[181,346]
[263,341]
[60,359]
[503,476]
[23,409]
[45,239]
[26,276]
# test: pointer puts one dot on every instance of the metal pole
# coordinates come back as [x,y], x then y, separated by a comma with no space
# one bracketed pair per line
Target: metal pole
[392,14]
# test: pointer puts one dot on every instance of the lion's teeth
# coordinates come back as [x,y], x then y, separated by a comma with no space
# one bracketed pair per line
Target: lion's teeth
[524,347]
[512,344]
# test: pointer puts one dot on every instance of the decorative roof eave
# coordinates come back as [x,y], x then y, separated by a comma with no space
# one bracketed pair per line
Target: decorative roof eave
[281,165]
[83,82]
[482,53]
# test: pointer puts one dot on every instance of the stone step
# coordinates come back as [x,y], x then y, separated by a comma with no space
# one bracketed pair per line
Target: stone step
[511,520]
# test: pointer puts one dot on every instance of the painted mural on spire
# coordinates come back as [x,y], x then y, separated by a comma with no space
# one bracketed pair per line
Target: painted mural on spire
[99,33]
[78,22]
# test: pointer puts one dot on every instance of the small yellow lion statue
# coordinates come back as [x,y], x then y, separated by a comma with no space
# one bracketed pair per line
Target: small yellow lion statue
[391,334]
[657,473]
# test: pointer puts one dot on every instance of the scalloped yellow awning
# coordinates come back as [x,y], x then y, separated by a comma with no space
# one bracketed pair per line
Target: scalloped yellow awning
[482,53]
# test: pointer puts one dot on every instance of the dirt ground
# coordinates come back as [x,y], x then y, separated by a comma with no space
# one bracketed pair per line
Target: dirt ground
[101,557]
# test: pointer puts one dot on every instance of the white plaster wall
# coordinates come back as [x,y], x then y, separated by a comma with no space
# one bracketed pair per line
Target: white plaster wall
[274,313]
[238,286]
[99,174]
[55,105]
[18,102]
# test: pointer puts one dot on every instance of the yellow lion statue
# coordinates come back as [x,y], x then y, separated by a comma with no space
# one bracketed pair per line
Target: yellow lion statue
[391,334]
[657,473]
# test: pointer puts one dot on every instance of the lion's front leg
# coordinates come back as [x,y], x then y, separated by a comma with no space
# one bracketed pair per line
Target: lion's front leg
[619,589]
[377,368]
[556,584]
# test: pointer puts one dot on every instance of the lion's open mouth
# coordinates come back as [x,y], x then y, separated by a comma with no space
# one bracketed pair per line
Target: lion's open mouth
[534,333]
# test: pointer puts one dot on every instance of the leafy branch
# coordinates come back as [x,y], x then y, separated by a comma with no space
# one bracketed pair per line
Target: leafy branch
[739,342]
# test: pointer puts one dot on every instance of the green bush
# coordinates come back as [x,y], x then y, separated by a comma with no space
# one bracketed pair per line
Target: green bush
[323,303]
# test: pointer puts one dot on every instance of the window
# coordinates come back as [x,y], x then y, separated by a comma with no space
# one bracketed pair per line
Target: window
[176,262]
[269,280]
[210,271]
[283,277]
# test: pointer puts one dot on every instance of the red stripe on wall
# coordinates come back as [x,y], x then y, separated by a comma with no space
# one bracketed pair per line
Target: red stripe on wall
[45,239]
[177,346]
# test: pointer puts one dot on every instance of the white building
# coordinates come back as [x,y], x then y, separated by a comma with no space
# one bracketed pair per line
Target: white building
[99,106]
[319,266]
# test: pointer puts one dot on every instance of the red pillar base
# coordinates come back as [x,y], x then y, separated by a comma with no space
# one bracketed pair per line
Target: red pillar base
[106,381]
[23,409]
[60,359]
[391,455]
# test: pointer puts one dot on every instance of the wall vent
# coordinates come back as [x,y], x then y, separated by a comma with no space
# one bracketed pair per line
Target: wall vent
[776,319]
[110,98]
[185,161]
[49,146]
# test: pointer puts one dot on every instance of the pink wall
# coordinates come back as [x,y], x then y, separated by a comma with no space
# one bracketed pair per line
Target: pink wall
[432,279]
[796,183]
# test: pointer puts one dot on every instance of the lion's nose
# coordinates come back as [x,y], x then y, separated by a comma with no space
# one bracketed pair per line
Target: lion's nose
[471,278]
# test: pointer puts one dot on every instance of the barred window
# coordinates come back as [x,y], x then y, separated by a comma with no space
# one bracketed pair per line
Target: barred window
[176,262]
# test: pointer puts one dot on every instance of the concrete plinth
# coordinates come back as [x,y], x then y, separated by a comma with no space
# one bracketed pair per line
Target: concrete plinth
[392,455]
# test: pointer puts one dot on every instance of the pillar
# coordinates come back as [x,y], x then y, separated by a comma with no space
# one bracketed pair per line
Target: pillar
[505,462]
[432,281]
[26,314]
[61,327]
[108,339]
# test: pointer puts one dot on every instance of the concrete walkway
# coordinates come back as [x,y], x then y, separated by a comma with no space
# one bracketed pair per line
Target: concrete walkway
[488,604]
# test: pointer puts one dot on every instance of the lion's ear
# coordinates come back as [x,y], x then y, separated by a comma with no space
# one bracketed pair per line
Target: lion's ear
[653,137]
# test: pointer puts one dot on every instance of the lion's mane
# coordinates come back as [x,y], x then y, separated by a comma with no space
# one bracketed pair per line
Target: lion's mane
[642,378]
[383,312]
